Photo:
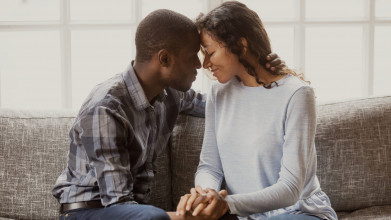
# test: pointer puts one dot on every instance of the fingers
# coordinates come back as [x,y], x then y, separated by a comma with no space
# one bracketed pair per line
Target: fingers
[271,56]
[213,198]
[207,198]
[275,62]
[278,68]
[180,209]
[199,208]
[198,200]
[218,207]
[223,193]
[191,199]
[200,190]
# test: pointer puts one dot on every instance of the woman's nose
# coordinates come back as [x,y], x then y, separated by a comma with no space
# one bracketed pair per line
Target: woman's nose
[206,64]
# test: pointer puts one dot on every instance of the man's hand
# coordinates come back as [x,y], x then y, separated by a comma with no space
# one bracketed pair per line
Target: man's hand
[216,206]
[275,64]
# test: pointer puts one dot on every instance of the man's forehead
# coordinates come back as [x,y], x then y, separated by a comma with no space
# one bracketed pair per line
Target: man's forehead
[203,47]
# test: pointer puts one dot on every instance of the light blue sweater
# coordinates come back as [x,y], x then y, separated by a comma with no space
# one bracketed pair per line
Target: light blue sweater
[262,142]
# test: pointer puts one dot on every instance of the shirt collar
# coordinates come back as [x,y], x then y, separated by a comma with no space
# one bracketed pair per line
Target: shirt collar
[136,92]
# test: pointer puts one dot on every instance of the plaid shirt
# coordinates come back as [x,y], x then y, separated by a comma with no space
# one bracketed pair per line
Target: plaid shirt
[116,138]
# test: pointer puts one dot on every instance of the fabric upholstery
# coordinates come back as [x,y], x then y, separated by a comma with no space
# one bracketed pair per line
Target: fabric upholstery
[32,153]
[373,213]
[161,186]
[186,146]
[353,142]
[33,149]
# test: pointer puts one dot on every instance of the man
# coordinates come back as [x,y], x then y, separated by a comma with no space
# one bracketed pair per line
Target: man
[126,121]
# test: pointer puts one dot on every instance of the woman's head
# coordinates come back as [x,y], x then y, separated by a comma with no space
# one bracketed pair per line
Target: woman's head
[231,22]
[238,30]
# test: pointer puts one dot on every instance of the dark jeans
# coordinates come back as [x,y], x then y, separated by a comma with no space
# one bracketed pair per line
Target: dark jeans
[293,217]
[120,211]
[277,217]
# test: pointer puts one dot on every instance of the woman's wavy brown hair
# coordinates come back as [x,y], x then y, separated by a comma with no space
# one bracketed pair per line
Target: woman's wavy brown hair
[231,21]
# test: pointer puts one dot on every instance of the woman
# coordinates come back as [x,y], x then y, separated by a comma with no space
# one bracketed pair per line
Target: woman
[260,128]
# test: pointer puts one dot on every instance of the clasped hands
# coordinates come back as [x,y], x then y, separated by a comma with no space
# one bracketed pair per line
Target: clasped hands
[206,203]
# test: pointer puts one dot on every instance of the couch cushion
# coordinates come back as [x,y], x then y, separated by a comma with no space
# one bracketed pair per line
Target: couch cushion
[33,149]
[186,146]
[373,213]
[353,142]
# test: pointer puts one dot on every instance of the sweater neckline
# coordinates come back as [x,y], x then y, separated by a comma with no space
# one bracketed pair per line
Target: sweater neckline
[279,82]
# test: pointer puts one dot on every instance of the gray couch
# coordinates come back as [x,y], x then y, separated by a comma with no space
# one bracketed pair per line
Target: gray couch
[353,142]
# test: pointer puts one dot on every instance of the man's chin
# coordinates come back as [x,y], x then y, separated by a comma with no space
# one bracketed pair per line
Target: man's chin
[182,88]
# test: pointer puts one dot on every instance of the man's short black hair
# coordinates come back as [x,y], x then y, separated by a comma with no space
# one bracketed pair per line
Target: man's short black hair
[162,29]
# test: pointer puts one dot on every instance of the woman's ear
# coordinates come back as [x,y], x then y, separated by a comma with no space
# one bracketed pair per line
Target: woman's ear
[164,57]
[243,43]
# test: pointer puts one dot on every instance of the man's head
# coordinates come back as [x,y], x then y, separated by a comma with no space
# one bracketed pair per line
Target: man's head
[172,41]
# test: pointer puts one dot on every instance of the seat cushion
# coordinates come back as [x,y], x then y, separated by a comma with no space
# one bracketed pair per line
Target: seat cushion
[373,213]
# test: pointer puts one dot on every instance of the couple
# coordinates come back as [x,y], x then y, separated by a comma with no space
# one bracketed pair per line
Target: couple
[267,156]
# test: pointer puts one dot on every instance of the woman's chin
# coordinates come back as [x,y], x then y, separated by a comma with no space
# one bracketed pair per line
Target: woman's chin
[222,80]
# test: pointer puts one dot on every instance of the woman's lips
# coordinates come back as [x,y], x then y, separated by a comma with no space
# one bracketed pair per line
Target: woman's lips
[214,71]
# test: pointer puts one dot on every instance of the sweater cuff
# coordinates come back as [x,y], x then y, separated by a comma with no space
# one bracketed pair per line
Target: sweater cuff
[230,201]
[206,180]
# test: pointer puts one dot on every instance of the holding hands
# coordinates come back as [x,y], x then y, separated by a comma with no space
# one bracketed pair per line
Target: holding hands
[206,203]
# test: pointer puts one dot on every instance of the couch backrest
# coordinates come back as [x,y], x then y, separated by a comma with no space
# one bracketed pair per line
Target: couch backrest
[33,147]
[33,150]
[186,144]
[353,142]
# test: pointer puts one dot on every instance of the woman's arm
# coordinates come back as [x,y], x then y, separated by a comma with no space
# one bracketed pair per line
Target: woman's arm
[209,172]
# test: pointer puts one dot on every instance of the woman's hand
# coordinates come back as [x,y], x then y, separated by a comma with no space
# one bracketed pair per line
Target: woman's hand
[196,198]
[215,207]
[274,63]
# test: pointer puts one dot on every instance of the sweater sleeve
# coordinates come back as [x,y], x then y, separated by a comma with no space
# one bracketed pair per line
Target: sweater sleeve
[296,163]
[209,172]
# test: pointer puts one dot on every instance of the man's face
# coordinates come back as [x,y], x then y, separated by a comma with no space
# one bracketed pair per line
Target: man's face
[185,65]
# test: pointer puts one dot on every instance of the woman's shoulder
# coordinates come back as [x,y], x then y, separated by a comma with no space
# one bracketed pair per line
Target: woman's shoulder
[294,83]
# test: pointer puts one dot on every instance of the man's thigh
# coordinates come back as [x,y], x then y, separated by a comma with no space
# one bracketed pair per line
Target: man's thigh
[120,211]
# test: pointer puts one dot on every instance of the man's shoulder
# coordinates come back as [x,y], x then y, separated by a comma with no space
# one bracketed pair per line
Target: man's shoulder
[111,93]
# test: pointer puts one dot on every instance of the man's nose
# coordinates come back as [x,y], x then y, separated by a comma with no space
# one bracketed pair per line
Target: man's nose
[198,64]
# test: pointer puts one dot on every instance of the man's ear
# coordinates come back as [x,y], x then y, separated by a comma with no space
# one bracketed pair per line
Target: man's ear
[243,43]
[164,58]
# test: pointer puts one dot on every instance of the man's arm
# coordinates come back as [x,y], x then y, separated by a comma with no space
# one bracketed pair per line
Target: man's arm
[192,103]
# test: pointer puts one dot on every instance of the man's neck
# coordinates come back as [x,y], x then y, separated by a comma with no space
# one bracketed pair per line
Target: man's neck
[148,79]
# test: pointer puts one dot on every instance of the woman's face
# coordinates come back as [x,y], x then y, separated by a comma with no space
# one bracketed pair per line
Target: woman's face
[219,59]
